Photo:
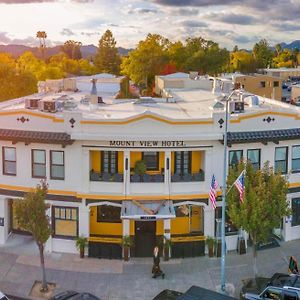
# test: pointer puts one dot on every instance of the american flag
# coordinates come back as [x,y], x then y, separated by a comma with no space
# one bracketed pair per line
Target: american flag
[213,192]
[240,185]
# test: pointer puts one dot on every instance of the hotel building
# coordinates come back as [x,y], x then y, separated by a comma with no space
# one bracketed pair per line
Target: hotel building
[138,167]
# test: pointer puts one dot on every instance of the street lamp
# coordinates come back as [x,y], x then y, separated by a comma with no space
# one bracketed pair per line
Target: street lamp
[224,187]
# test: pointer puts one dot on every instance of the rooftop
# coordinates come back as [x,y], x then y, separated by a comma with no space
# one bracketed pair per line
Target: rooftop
[182,105]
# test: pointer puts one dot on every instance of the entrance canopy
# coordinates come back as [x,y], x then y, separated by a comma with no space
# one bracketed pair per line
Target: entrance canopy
[147,210]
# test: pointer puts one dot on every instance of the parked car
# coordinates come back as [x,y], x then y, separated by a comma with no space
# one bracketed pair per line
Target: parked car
[73,295]
[2,296]
[280,286]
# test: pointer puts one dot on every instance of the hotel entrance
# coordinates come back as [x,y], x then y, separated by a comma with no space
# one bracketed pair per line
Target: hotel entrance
[145,238]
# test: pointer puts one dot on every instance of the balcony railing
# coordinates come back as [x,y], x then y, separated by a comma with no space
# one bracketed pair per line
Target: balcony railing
[189,177]
[107,177]
[147,178]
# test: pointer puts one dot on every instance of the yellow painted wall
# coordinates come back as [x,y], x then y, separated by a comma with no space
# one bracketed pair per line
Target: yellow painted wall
[180,225]
[196,161]
[134,156]
[103,228]
[95,157]
[159,227]
[196,218]
[120,162]
[132,227]
[172,162]
[161,160]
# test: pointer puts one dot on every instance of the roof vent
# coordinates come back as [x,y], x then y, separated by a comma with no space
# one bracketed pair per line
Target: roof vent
[69,105]
[236,107]
[48,105]
[32,103]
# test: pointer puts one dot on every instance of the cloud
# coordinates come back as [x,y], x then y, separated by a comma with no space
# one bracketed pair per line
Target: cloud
[186,11]
[192,23]
[286,26]
[142,11]
[4,39]
[40,1]
[194,2]
[232,18]
[67,32]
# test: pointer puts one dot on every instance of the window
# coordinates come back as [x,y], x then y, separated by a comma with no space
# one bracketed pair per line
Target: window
[253,156]
[109,162]
[235,156]
[65,221]
[263,84]
[296,159]
[57,165]
[108,214]
[281,155]
[9,161]
[38,163]
[151,160]
[289,295]
[276,84]
[295,211]
[183,162]
[272,293]
[230,229]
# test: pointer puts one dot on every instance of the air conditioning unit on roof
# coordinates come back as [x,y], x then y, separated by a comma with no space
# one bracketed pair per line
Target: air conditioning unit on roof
[32,103]
[48,105]
[236,107]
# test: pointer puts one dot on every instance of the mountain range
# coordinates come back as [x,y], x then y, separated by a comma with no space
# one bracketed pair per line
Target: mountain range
[292,45]
[87,51]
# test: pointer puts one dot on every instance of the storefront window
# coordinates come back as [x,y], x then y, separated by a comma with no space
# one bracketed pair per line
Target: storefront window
[296,212]
[253,156]
[108,214]
[235,156]
[230,229]
[65,221]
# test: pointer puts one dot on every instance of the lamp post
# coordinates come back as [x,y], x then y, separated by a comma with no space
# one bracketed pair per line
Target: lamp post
[224,187]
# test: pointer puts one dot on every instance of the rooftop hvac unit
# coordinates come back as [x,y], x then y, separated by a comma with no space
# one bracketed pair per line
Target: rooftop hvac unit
[236,107]
[69,84]
[32,103]
[48,105]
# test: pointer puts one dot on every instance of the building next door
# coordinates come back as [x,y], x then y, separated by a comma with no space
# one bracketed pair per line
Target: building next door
[145,238]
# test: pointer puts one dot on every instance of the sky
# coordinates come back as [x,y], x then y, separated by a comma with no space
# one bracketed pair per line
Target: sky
[228,22]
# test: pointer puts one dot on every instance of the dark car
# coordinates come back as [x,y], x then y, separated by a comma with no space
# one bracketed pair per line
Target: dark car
[73,295]
[167,295]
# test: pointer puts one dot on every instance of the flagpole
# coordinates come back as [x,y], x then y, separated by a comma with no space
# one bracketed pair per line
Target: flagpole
[224,187]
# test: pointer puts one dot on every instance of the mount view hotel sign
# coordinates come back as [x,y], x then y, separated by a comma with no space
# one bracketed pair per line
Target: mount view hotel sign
[148,144]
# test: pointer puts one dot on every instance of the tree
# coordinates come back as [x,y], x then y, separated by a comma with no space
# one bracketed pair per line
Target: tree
[107,59]
[263,54]
[278,49]
[242,61]
[31,215]
[42,35]
[72,49]
[264,203]
[147,60]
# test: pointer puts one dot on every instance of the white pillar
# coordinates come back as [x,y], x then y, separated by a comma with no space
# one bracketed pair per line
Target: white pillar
[48,245]
[84,220]
[126,227]
[85,170]
[126,182]
[167,231]
[209,221]
[168,163]
[4,220]
[208,167]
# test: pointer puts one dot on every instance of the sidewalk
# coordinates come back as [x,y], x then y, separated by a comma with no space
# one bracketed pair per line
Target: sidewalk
[115,279]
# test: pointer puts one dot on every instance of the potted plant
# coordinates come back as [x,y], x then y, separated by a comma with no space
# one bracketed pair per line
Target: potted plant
[126,243]
[81,243]
[210,241]
[140,167]
[166,248]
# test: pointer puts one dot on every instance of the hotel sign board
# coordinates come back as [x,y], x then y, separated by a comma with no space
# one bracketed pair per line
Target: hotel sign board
[147,144]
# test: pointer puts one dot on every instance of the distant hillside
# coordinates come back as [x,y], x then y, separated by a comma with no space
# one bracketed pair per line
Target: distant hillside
[87,51]
[292,45]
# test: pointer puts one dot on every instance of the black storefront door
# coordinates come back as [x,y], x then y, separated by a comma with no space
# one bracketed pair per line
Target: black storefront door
[144,238]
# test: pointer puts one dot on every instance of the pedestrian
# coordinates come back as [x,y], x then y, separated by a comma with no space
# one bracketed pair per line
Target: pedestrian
[156,271]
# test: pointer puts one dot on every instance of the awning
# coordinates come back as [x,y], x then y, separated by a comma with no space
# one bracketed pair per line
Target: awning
[147,210]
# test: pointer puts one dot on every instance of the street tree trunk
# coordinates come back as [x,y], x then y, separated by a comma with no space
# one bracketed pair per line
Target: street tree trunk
[254,257]
[42,259]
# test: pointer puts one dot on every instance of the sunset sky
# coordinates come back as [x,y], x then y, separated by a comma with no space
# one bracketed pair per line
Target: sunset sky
[228,22]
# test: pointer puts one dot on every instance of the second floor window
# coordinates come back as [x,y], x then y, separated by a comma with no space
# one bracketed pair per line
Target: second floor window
[109,162]
[183,162]
[253,155]
[281,156]
[235,156]
[38,163]
[296,159]
[57,165]
[9,161]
